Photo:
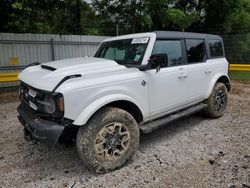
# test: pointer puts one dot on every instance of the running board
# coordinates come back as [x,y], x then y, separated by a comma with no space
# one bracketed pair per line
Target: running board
[155,124]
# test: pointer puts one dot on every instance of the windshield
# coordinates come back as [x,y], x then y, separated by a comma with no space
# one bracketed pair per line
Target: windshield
[124,52]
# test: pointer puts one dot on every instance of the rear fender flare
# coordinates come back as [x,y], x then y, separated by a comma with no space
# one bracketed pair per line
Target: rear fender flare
[213,82]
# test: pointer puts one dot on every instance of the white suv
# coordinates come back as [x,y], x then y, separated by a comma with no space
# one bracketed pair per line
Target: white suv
[134,83]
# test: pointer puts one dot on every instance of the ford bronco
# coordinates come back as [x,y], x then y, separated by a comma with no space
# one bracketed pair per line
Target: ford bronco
[137,82]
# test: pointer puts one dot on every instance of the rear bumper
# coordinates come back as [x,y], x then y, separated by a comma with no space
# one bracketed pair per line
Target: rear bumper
[46,132]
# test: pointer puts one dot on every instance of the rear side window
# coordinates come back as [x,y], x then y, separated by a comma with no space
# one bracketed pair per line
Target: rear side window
[196,51]
[172,48]
[215,47]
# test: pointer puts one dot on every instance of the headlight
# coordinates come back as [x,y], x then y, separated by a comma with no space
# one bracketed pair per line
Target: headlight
[49,104]
[52,104]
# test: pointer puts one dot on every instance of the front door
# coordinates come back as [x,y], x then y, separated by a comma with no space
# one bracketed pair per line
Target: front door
[168,88]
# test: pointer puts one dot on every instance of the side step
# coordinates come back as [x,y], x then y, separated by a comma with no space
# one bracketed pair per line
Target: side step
[155,124]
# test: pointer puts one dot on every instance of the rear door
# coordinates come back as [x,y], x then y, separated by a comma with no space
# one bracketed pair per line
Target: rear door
[199,71]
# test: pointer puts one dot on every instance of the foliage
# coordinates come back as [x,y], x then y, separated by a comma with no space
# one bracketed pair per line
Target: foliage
[46,16]
[5,12]
[233,23]
[228,16]
[129,15]
[102,17]
[182,19]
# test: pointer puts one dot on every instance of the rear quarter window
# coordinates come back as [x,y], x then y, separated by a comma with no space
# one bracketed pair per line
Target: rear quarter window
[215,48]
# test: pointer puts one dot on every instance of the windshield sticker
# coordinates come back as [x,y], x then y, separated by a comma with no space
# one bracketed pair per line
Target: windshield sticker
[139,40]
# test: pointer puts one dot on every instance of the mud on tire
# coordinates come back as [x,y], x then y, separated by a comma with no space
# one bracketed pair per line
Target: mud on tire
[108,140]
[217,101]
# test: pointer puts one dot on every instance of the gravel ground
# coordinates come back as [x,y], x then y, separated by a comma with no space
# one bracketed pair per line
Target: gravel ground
[193,152]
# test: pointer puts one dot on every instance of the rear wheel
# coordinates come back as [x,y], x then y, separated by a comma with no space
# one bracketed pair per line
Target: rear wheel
[108,140]
[217,101]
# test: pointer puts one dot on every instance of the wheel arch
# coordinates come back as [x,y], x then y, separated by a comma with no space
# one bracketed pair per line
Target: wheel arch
[129,107]
[225,80]
[219,78]
[120,101]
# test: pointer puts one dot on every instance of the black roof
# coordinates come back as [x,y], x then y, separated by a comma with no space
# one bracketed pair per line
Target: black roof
[178,34]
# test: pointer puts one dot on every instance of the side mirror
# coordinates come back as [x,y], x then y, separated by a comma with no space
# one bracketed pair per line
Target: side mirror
[159,60]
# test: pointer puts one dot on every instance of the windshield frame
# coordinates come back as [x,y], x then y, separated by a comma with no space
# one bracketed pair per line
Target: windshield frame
[100,49]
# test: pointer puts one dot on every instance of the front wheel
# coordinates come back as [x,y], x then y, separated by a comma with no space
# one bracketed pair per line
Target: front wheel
[108,140]
[217,101]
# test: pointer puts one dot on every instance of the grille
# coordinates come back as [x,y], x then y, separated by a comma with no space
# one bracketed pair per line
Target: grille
[29,96]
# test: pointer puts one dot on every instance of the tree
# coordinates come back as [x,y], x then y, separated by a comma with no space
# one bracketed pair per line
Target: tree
[137,16]
[5,14]
[48,16]
[129,15]
[70,17]
[227,16]
[182,19]
[101,17]
[156,11]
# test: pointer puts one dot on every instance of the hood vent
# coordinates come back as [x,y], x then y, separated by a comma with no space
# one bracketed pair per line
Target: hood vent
[64,79]
[48,67]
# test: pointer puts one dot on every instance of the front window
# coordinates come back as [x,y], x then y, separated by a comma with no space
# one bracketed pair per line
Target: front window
[173,50]
[124,52]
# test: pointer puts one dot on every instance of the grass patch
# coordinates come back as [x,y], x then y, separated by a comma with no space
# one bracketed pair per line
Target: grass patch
[239,75]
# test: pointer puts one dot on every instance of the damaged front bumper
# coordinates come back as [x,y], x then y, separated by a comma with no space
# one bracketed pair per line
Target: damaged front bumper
[45,131]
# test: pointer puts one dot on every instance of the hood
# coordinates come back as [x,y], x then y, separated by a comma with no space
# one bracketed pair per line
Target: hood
[47,75]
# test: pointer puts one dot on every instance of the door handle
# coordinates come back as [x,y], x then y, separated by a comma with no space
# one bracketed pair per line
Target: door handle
[185,75]
[181,77]
[208,71]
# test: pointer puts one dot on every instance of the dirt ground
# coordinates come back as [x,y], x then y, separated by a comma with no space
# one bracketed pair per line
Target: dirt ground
[192,152]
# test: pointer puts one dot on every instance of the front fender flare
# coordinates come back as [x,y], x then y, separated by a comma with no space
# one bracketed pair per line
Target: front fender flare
[93,107]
